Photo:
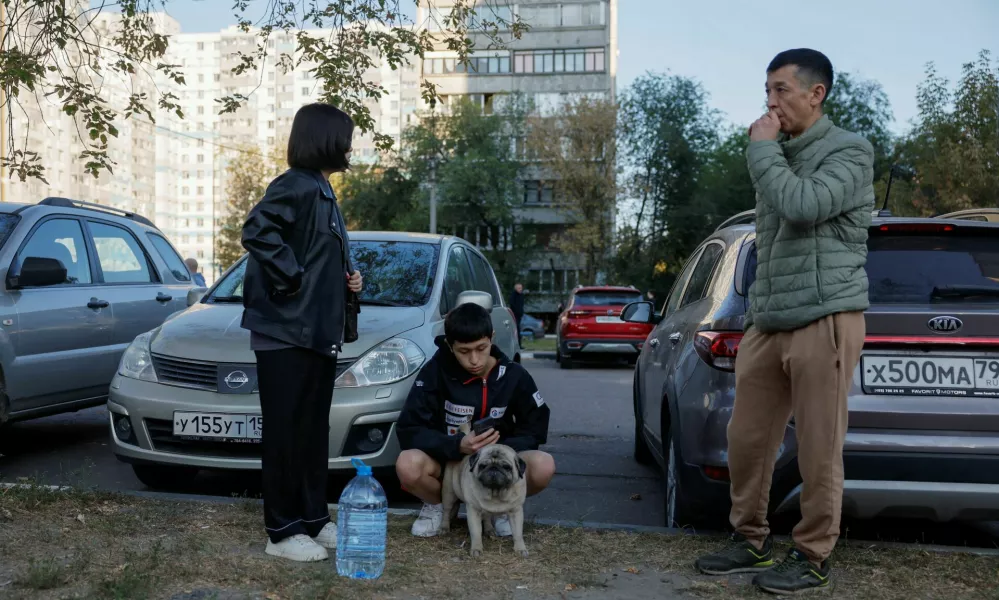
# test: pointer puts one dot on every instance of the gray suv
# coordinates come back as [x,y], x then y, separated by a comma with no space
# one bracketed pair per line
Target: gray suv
[81,281]
[923,439]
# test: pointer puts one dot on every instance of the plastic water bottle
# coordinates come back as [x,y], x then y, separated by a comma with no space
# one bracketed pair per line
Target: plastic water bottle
[361,525]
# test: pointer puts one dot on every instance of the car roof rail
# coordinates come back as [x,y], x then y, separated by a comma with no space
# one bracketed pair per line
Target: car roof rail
[744,218]
[80,204]
[972,214]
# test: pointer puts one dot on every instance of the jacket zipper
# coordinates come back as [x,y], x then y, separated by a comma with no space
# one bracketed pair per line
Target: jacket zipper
[485,397]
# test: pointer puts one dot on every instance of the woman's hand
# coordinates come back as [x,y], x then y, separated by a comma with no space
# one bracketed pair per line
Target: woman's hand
[355,282]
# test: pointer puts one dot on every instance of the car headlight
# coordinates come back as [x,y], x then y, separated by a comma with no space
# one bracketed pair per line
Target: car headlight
[137,362]
[388,362]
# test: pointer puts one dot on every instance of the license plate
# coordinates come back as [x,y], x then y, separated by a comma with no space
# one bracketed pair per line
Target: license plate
[609,320]
[218,426]
[930,376]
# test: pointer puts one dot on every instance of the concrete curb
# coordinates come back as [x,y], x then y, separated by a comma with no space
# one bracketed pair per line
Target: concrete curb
[538,355]
[589,525]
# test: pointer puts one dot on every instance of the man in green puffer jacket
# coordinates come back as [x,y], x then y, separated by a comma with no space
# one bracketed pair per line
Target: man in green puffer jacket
[805,324]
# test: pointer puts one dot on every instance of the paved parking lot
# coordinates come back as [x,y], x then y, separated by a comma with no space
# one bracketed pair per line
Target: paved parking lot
[591,438]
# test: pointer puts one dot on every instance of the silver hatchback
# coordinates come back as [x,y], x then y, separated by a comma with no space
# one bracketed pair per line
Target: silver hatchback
[185,396]
[923,438]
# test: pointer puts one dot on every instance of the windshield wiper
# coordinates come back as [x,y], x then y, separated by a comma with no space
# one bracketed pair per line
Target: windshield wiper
[374,302]
[228,299]
[964,291]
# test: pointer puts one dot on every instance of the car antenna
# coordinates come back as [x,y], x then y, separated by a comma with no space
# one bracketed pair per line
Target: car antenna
[884,212]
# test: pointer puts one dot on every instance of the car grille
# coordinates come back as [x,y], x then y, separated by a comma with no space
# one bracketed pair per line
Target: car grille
[189,373]
[202,375]
[163,440]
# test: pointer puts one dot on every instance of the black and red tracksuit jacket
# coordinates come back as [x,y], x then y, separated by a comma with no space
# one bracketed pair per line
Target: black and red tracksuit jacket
[445,396]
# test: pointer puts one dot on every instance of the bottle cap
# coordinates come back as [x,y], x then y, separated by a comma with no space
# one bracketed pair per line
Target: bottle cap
[362,469]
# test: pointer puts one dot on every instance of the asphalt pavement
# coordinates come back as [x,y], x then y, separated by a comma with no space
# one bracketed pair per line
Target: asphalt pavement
[590,436]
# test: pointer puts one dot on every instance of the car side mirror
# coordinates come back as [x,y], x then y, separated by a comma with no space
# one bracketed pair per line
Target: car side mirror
[483,299]
[37,271]
[639,312]
[195,295]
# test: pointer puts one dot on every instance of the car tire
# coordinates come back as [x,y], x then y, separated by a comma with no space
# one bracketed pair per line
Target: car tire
[679,509]
[565,362]
[642,453]
[162,477]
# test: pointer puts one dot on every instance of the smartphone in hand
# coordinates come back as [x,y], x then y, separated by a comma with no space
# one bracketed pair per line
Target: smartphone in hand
[482,425]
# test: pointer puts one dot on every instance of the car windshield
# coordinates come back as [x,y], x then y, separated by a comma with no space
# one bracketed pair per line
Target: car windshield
[395,274]
[920,269]
[608,298]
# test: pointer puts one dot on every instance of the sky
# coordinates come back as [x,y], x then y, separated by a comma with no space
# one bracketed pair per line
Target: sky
[726,44]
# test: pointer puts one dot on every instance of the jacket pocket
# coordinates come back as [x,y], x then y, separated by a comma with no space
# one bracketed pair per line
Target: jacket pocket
[833,333]
[818,271]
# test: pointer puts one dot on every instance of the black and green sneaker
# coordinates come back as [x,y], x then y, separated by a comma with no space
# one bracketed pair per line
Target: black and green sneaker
[740,556]
[795,574]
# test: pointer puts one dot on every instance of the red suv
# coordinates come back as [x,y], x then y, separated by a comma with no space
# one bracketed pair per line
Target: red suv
[591,326]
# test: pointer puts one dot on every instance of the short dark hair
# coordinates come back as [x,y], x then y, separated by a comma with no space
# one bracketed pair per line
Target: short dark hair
[467,323]
[813,66]
[320,138]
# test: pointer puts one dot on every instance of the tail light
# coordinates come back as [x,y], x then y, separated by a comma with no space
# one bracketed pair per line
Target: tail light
[579,313]
[718,348]
[916,228]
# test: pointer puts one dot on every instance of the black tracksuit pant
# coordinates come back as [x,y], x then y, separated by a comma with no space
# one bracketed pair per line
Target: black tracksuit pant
[296,390]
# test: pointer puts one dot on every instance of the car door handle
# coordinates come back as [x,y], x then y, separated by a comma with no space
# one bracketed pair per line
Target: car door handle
[675,337]
[96,303]
[161,297]
[654,342]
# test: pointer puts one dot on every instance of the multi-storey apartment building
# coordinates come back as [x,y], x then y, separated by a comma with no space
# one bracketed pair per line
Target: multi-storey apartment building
[173,170]
[569,50]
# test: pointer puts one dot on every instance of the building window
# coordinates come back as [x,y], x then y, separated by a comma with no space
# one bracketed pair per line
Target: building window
[201,206]
[200,174]
[185,191]
[187,175]
[487,65]
[305,91]
[201,78]
[201,222]
[201,190]
[201,46]
[587,60]
[185,206]
[201,158]
[270,124]
[201,253]
[218,77]
[539,192]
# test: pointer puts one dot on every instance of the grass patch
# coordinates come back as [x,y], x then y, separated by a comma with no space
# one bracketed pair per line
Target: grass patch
[544,345]
[108,546]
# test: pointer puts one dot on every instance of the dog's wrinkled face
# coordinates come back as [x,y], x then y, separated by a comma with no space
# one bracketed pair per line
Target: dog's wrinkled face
[497,467]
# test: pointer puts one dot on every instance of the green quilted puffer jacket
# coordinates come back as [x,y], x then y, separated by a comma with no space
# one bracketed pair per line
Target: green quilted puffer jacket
[814,199]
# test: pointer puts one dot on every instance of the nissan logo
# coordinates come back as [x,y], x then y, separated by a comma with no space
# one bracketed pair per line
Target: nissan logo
[236,380]
[944,324]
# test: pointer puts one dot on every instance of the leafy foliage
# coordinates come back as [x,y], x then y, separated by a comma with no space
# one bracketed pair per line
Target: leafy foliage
[248,172]
[53,48]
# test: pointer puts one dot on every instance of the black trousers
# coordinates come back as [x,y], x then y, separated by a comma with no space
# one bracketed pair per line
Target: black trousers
[296,390]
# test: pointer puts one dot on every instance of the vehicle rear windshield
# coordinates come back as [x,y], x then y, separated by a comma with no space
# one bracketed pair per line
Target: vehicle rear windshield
[606,298]
[7,224]
[919,269]
[395,274]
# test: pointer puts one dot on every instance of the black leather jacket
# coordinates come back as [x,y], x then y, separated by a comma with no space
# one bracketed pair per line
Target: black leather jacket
[295,285]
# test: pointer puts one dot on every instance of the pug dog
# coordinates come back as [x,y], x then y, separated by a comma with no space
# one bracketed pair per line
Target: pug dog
[490,482]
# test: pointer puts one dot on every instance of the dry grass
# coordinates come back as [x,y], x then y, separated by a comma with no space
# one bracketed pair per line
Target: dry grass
[104,546]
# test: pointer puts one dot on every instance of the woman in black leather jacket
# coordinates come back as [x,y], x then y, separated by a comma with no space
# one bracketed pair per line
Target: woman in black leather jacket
[294,299]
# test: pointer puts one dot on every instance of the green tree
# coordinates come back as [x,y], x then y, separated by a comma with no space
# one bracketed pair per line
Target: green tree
[380,198]
[469,155]
[248,172]
[62,50]
[949,160]
[667,132]
[577,148]
[862,106]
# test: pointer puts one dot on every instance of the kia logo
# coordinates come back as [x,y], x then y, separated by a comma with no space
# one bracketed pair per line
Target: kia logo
[236,380]
[945,324]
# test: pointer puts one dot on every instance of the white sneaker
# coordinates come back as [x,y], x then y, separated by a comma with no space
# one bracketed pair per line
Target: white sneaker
[327,537]
[501,524]
[299,548]
[429,521]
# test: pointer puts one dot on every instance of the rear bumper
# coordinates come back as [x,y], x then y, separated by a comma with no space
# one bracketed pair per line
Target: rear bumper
[624,345]
[917,499]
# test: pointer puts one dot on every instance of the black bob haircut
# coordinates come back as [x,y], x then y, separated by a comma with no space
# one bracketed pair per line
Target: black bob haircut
[320,138]
[813,67]
[467,323]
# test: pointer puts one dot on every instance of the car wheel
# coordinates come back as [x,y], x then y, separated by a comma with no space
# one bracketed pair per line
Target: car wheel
[164,477]
[642,453]
[677,505]
[564,362]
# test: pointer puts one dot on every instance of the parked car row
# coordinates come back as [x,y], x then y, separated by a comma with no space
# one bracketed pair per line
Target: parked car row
[923,436]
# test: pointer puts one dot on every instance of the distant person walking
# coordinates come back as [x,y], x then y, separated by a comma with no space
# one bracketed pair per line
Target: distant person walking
[804,326]
[192,266]
[517,306]
[295,306]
